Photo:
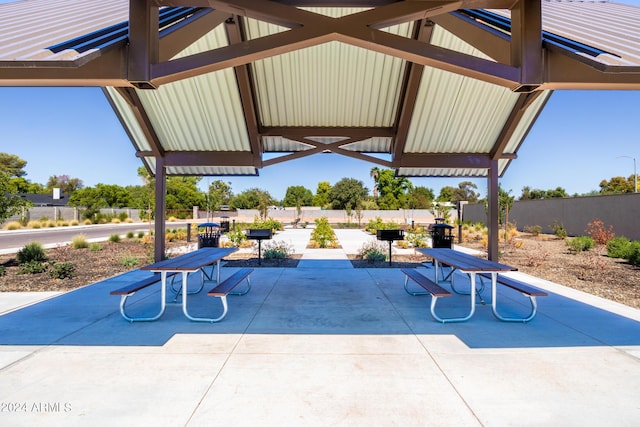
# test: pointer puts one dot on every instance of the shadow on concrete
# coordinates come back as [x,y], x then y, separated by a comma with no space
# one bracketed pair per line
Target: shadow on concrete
[312,301]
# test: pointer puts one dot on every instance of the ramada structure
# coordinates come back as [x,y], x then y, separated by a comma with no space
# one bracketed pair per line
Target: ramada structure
[426,87]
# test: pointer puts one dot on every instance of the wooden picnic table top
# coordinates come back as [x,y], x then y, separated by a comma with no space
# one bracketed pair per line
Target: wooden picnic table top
[191,260]
[463,261]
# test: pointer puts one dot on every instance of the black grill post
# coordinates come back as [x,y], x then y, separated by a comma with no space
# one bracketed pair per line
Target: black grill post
[259,234]
[390,236]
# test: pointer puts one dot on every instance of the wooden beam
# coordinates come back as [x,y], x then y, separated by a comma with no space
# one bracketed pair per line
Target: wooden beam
[444,160]
[143,41]
[511,124]
[209,158]
[247,93]
[526,42]
[410,86]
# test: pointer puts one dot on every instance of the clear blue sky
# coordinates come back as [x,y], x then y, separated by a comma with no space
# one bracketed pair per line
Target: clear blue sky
[576,142]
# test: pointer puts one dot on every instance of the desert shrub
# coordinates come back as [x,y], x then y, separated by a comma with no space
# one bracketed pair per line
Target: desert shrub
[130,235]
[114,238]
[123,217]
[115,221]
[559,230]
[236,236]
[600,233]
[618,247]
[140,234]
[33,267]
[129,261]
[63,270]
[34,224]
[87,222]
[95,247]
[276,250]
[634,253]
[31,252]
[534,230]
[13,225]
[269,223]
[3,270]
[62,223]
[373,251]
[79,242]
[74,222]
[580,244]
[417,240]
[377,224]
[323,234]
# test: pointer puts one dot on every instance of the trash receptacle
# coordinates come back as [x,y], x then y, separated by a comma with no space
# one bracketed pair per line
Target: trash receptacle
[208,235]
[224,224]
[441,236]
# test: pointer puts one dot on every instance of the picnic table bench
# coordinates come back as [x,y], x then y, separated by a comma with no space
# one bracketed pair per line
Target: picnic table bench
[188,263]
[522,287]
[432,288]
[223,289]
[129,290]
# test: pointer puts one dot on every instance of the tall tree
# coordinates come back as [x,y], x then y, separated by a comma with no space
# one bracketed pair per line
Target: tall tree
[253,198]
[10,202]
[12,165]
[321,198]
[420,198]
[298,195]
[617,184]
[392,190]
[347,193]
[65,183]
[464,192]
[219,194]
[375,174]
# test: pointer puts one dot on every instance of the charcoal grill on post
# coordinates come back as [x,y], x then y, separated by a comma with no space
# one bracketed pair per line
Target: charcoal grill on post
[259,234]
[390,236]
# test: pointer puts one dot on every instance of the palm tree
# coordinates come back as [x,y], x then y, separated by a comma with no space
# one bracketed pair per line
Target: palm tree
[375,174]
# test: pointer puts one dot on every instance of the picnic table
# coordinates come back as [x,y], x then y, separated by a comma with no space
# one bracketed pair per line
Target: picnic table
[471,265]
[183,265]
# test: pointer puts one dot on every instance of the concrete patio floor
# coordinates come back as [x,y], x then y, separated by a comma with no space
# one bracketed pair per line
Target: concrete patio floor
[320,344]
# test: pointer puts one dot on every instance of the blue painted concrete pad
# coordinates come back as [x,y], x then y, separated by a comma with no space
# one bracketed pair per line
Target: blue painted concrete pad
[321,344]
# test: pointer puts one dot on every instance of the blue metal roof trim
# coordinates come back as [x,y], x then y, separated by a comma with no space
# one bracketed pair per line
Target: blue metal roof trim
[120,32]
[504,24]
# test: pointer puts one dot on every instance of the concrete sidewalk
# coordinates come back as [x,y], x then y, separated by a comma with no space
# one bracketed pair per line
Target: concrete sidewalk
[318,345]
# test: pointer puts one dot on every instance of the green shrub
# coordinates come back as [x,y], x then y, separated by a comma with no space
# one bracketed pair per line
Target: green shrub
[377,224]
[32,252]
[33,267]
[3,270]
[129,261]
[140,234]
[559,230]
[79,242]
[130,235]
[237,236]
[276,250]
[373,251]
[323,234]
[534,230]
[619,247]
[580,244]
[64,270]
[634,253]
[269,223]
[114,238]
[95,247]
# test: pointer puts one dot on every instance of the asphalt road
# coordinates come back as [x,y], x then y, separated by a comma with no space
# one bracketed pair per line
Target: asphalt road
[12,241]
